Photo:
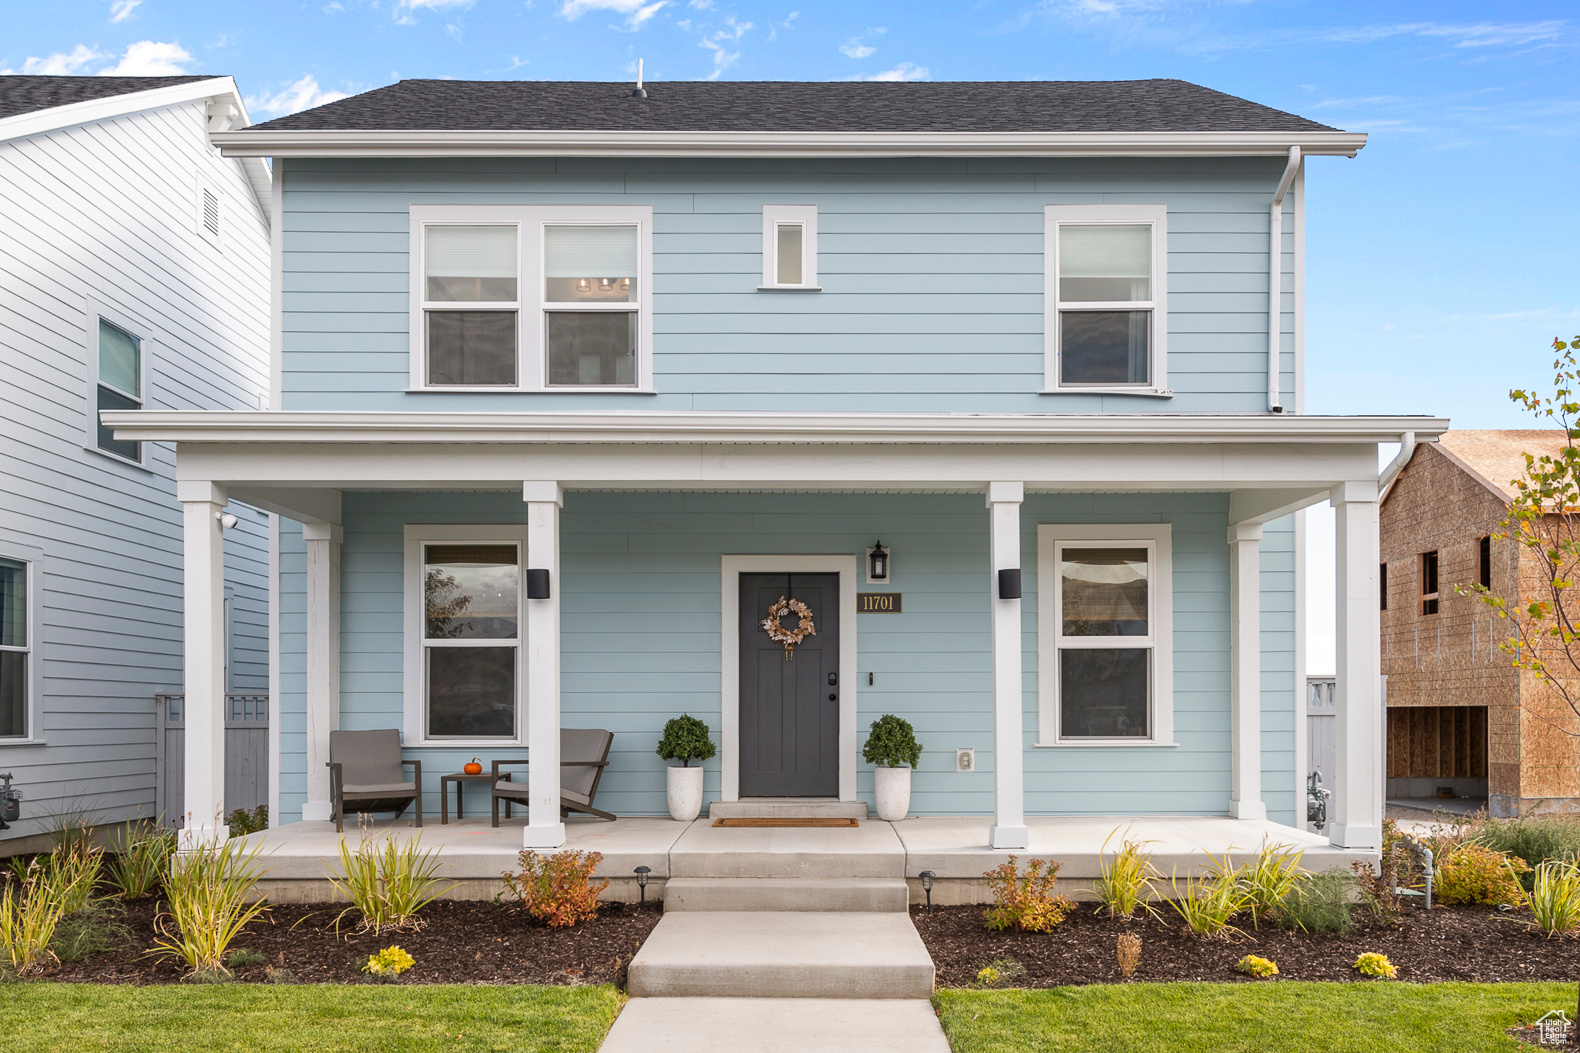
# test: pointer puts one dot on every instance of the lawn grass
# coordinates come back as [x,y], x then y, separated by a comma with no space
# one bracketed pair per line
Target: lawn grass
[1280,1017]
[71,1018]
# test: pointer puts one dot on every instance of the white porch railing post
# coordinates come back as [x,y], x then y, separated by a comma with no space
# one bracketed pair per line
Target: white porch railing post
[323,660]
[1245,672]
[544,827]
[203,651]
[1358,756]
[1009,804]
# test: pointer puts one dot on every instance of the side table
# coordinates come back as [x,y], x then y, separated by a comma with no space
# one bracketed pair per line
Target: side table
[461,778]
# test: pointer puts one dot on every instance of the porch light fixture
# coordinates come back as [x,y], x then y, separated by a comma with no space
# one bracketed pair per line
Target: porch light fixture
[641,881]
[927,886]
[537,584]
[226,520]
[878,563]
[1009,583]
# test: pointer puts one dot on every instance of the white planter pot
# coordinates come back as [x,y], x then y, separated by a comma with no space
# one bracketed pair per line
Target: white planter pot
[685,793]
[894,793]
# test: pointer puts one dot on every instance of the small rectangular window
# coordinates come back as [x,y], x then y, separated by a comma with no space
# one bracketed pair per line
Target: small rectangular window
[470,280]
[1484,562]
[15,648]
[1105,296]
[1429,583]
[1382,586]
[118,386]
[789,247]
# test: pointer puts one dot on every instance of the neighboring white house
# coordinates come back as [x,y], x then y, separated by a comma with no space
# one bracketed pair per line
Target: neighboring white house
[134,274]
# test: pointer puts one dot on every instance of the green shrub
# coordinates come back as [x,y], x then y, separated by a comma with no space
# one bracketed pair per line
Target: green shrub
[138,870]
[1555,897]
[686,739]
[242,957]
[1260,968]
[1270,878]
[388,964]
[1377,965]
[243,822]
[208,898]
[1209,901]
[557,890]
[1473,874]
[388,885]
[93,930]
[1027,903]
[1320,903]
[892,743]
[1532,838]
[1124,883]
[1000,972]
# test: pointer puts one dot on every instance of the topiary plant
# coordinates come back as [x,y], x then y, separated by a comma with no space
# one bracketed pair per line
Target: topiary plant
[892,743]
[686,739]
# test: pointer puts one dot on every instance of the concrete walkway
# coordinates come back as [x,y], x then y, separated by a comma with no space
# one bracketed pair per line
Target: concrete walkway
[775,1025]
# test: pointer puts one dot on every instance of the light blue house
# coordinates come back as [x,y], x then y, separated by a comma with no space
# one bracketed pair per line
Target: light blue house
[574,383]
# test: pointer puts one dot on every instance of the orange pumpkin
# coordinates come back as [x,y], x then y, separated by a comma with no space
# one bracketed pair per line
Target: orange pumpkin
[474,767]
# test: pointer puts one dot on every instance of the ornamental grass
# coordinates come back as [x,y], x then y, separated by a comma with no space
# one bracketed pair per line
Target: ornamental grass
[1124,883]
[1270,879]
[208,903]
[1207,902]
[30,911]
[388,886]
[138,869]
[1554,898]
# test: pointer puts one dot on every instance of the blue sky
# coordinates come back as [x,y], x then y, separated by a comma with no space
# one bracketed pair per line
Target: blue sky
[1441,262]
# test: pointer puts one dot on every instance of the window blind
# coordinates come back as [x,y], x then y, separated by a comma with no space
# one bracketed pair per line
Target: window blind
[589,251]
[471,251]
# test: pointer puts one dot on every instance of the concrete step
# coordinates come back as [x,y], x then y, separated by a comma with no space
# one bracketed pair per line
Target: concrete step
[787,808]
[869,895]
[870,850]
[775,1025]
[730,954]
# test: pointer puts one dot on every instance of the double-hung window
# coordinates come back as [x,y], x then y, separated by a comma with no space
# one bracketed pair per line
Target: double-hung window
[1105,288]
[117,354]
[1105,649]
[531,298]
[16,646]
[464,629]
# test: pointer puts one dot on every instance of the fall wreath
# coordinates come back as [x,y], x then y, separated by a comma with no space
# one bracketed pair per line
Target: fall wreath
[789,637]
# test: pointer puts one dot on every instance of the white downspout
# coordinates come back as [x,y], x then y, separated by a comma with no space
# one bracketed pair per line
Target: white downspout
[1395,466]
[1275,275]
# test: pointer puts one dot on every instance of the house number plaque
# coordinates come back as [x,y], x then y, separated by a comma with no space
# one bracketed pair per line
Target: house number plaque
[877,603]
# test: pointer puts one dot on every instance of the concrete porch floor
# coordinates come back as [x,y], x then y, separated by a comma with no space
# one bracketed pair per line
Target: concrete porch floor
[297,857]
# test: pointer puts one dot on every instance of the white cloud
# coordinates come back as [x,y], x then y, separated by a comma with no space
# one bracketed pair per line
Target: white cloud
[857,50]
[62,62]
[121,10]
[405,10]
[302,94]
[735,32]
[150,58]
[904,71]
[574,9]
[702,5]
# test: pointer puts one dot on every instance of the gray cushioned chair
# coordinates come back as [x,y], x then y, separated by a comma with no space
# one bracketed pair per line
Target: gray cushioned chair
[584,754]
[366,774]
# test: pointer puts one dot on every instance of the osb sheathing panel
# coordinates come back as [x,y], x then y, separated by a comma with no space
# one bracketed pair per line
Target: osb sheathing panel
[1549,743]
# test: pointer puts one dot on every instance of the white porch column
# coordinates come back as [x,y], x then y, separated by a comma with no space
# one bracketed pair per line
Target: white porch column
[1358,772]
[1009,804]
[544,828]
[1245,672]
[323,660]
[203,631]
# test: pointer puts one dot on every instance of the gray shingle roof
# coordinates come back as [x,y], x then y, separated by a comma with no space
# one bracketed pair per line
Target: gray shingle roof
[27,94]
[797,106]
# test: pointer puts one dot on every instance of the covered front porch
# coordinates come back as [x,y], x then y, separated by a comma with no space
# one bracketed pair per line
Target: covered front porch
[796,495]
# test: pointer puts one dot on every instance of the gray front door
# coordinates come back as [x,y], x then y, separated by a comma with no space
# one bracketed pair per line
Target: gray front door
[790,709]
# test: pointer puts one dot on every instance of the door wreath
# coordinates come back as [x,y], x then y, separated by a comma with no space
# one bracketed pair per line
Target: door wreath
[789,637]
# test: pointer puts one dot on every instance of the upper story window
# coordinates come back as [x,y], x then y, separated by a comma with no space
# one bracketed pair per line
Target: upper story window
[118,374]
[544,298]
[1484,561]
[1106,269]
[1429,583]
[790,247]
[16,647]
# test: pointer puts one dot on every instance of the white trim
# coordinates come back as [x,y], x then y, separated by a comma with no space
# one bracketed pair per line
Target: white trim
[415,696]
[275,817]
[1154,216]
[731,568]
[277,293]
[583,143]
[148,340]
[806,216]
[530,307]
[33,559]
[55,118]
[1158,538]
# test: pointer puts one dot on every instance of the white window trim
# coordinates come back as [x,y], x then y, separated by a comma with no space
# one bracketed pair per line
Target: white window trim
[417,535]
[34,559]
[148,341]
[806,215]
[531,357]
[1157,217]
[1158,538]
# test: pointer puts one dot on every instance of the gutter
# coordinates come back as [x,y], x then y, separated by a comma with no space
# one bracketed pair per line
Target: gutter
[1275,278]
[1395,466]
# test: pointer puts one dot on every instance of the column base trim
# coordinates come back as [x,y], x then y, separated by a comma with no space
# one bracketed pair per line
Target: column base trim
[318,811]
[1247,810]
[194,838]
[551,836]
[1358,838]
[1008,837]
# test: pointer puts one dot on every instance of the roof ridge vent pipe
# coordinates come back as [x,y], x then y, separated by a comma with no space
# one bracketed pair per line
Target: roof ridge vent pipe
[1275,276]
[640,92]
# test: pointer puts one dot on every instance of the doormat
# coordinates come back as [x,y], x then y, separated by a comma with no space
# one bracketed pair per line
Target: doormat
[785,821]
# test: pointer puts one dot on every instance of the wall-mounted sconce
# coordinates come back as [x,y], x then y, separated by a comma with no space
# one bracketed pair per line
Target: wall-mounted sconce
[226,520]
[537,584]
[1009,583]
[878,564]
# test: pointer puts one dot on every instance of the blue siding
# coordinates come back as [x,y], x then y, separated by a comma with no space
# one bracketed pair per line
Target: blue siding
[932,276]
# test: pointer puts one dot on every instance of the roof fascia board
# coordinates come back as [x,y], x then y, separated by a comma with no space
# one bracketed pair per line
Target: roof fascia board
[494,143]
[55,118]
[384,427]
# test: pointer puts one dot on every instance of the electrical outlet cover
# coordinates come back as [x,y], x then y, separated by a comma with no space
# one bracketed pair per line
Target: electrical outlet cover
[966,759]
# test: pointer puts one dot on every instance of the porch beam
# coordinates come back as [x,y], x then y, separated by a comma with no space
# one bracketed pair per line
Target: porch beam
[1264,506]
[203,659]
[1357,793]
[1009,806]
[301,504]
[544,829]
[323,660]
[1245,672]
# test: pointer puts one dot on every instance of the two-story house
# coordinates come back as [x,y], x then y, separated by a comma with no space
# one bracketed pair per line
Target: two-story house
[1003,381]
[133,277]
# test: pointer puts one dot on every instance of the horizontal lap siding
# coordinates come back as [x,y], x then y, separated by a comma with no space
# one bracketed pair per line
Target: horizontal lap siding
[931,271]
[107,211]
[640,603]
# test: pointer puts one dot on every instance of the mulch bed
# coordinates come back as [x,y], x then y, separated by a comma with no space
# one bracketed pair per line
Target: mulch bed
[1479,944]
[459,942]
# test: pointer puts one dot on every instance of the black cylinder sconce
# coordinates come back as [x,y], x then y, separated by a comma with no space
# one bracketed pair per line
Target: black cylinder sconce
[538,584]
[1008,583]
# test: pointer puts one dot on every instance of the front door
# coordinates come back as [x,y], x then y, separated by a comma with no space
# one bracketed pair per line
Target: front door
[790,709]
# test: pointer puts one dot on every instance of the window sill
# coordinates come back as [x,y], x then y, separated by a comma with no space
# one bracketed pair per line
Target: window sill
[466,744]
[5,743]
[789,288]
[1105,744]
[1140,393]
[118,459]
[589,390]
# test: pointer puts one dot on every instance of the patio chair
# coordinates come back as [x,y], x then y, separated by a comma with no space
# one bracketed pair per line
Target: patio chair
[366,774]
[584,754]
